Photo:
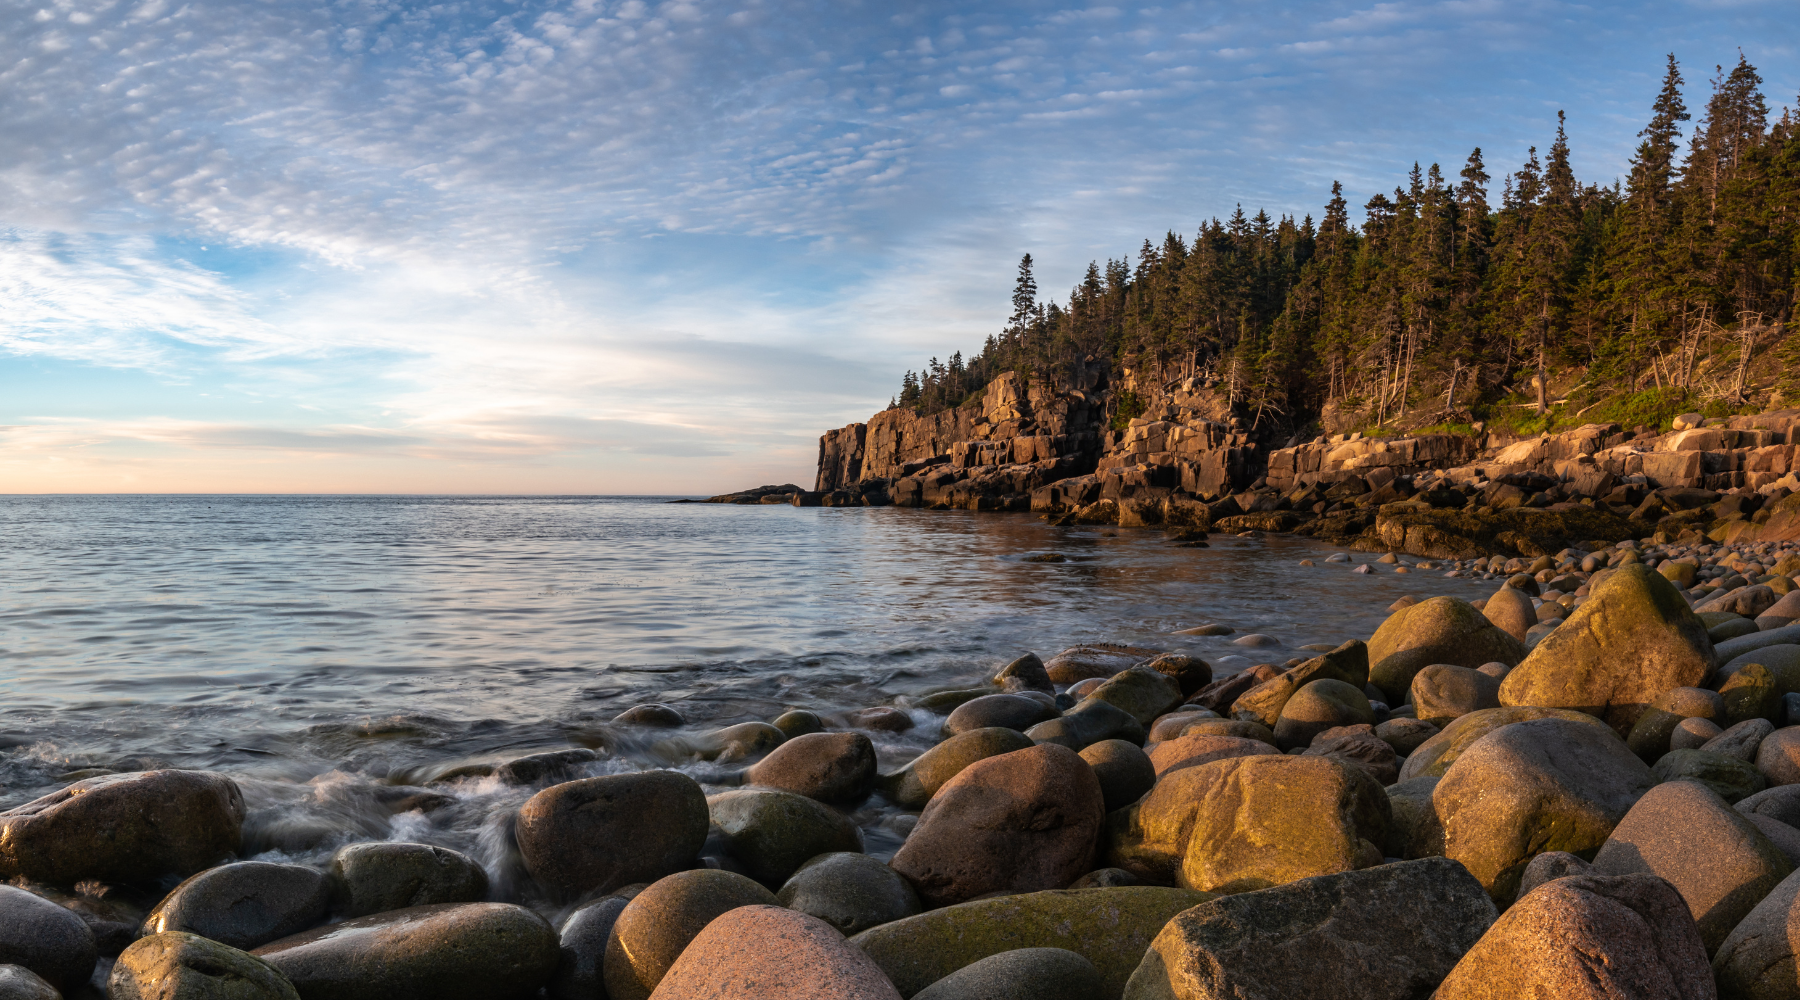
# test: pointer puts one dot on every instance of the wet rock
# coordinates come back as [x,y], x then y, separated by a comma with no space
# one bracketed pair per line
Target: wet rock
[580,971]
[654,715]
[1026,673]
[1391,931]
[881,719]
[1541,785]
[1549,866]
[123,828]
[1713,855]
[1247,823]
[1078,663]
[176,965]
[1359,746]
[1405,735]
[1588,937]
[597,834]
[1633,639]
[1756,961]
[20,983]
[1002,711]
[556,765]
[1435,755]
[1124,771]
[1021,822]
[1110,927]
[851,892]
[1692,734]
[1778,756]
[1239,728]
[1781,803]
[658,924]
[913,785]
[372,877]
[799,723]
[1511,612]
[1751,693]
[772,833]
[246,904]
[830,767]
[1442,693]
[733,743]
[1199,748]
[1348,664]
[1318,706]
[1732,778]
[1141,692]
[41,936]
[451,951]
[1088,723]
[1191,673]
[1022,974]
[1440,630]
[768,953]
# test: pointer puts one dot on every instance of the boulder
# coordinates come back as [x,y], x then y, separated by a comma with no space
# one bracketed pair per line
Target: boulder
[1359,746]
[176,965]
[450,951]
[733,743]
[799,722]
[1247,823]
[1199,748]
[654,715]
[1414,830]
[1588,937]
[1650,736]
[1347,664]
[1019,822]
[1078,663]
[373,877]
[1442,692]
[594,835]
[1110,927]
[123,828]
[1124,771]
[1169,726]
[1143,693]
[1750,693]
[1511,612]
[1548,867]
[1692,734]
[1318,706]
[551,766]
[1732,778]
[1778,756]
[1440,630]
[580,971]
[49,940]
[1190,673]
[1386,932]
[1405,735]
[1435,755]
[768,953]
[1006,711]
[659,923]
[1785,838]
[1535,786]
[1747,601]
[1713,855]
[1021,974]
[851,892]
[20,983]
[245,904]
[913,785]
[1756,961]
[1781,659]
[888,719]
[772,833]
[1632,640]
[1240,728]
[1783,612]
[1026,673]
[1781,803]
[1088,723]
[830,767]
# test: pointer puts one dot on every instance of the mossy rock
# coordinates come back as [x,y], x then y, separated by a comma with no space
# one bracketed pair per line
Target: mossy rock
[1111,927]
[1434,756]
[1440,630]
[1751,692]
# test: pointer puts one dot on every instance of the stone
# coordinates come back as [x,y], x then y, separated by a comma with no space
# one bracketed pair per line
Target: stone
[1021,974]
[1442,692]
[1692,734]
[20,983]
[1105,877]
[177,965]
[851,892]
[1781,803]
[372,877]
[1750,693]
[733,743]
[1392,931]
[51,941]
[123,828]
[592,836]
[1005,711]
[1549,866]
[798,723]
[772,833]
[246,904]
[1742,740]
[1414,830]
[1191,673]
[1026,673]
[1588,937]
[1785,838]
[1732,778]
[1110,927]
[881,719]
[1019,822]
[1124,771]
[1348,664]
[554,765]
[1247,823]
[1141,692]
[1088,723]
[1435,755]
[913,785]
[1239,728]
[1359,746]
[1746,601]
[1078,663]
[1510,610]
[582,942]
[1783,612]
[1633,639]
[769,953]
[1169,726]
[1535,786]
[1756,961]
[830,767]
[1199,748]
[1778,756]
[1781,659]
[449,951]
[1650,736]
[654,715]
[1440,630]
[1220,694]
[1318,706]
[1405,735]
[659,923]
[1713,855]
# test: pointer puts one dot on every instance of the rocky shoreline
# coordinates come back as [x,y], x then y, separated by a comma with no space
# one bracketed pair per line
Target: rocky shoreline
[1584,785]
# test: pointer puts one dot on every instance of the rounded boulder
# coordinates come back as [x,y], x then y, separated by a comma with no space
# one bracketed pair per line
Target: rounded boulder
[245,904]
[1021,974]
[851,892]
[452,951]
[597,834]
[1124,771]
[657,925]
[39,935]
[1318,706]
[772,833]
[371,878]
[175,965]
[124,828]
[1005,711]
[830,767]
[1440,630]
[913,785]
[769,953]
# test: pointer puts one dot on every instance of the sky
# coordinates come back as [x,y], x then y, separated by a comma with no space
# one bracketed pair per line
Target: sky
[599,247]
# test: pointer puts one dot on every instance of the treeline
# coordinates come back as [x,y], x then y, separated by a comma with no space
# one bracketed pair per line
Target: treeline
[1441,297]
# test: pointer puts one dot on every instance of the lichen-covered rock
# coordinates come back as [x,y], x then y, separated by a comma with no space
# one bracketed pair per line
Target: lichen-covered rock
[830,767]
[1731,778]
[1391,931]
[594,835]
[772,833]
[851,892]
[768,953]
[1434,756]
[373,877]
[123,828]
[1632,640]
[658,924]
[913,785]
[1443,692]
[1440,630]
[245,904]
[176,965]
[452,951]
[1110,927]
[1750,693]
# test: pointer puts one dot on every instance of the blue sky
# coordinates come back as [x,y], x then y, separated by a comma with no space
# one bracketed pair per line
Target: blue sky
[629,247]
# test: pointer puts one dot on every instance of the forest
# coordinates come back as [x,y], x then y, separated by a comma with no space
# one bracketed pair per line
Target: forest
[1672,279]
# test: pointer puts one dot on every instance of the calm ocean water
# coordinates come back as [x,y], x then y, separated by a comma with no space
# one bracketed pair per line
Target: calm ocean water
[321,647]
